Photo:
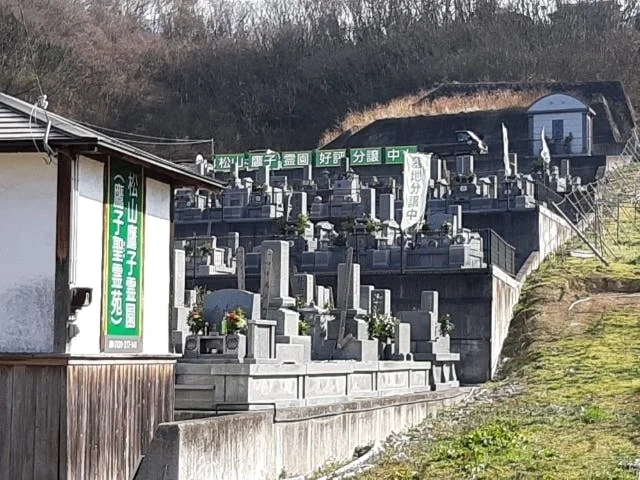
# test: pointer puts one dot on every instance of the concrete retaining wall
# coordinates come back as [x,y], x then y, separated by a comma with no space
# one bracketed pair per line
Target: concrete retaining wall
[260,445]
[506,292]
[553,232]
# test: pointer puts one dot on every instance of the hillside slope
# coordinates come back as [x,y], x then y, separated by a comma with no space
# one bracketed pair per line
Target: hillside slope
[567,404]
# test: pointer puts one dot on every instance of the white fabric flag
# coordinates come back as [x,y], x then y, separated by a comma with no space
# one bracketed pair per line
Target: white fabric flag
[545,154]
[505,146]
[417,173]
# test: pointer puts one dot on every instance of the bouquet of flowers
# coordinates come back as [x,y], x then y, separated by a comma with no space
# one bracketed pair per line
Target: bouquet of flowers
[234,321]
[195,320]
[382,327]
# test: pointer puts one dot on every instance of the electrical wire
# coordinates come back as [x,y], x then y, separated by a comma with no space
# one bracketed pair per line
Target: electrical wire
[32,55]
[138,135]
[183,142]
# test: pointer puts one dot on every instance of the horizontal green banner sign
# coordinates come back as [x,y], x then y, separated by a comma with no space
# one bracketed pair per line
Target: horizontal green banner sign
[319,158]
[395,155]
[330,158]
[262,159]
[365,156]
[226,161]
[297,159]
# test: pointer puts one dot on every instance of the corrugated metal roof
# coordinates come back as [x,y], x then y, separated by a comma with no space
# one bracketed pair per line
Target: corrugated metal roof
[16,126]
[18,114]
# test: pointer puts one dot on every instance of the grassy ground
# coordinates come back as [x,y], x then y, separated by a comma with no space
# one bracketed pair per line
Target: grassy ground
[576,366]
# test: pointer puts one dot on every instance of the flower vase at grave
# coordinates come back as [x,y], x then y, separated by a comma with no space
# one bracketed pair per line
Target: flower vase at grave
[384,348]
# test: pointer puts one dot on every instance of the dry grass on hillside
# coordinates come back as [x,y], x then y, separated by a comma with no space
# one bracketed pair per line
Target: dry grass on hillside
[413,105]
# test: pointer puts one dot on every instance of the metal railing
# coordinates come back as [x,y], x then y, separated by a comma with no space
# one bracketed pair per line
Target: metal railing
[497,251]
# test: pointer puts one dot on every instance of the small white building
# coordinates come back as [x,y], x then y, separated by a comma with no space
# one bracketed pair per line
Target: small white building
[86,295]
[567,122]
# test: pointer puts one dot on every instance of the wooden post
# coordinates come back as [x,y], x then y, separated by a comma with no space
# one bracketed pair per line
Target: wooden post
[240,268]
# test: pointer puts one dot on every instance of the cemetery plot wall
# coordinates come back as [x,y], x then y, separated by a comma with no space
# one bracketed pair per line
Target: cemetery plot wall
[295,440]
[28,193]
[480,311]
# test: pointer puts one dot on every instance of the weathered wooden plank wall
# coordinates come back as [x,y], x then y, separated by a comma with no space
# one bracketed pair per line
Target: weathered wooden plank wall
[32,415]
[82,420]
[113,411]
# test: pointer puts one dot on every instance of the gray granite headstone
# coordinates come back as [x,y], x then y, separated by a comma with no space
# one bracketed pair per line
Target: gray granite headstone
[387,207]
[365,297]
[381,301]
[349,286]
[429,301]
[262,175]
[178,278]
[190,298]
[279,284]
[402,341]
[368,196]
[298,204]
[218,303]
[464,164]
[303,287]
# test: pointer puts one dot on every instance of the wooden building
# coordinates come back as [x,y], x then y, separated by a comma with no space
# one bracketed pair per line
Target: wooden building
[86,290]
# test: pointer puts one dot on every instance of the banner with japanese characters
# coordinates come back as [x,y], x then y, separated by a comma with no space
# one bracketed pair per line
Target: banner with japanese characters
[365,156]
[395,155]
[226,162]
[417,173]
[269,158]
[331,158]
[296,159]
[122,299]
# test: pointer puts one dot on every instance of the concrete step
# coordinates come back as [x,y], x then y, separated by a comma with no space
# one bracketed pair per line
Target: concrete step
[193,368]
[195,398]
[195,387]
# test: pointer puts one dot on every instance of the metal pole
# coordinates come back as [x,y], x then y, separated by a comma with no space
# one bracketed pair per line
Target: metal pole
[402,251]
[618,221]
[579,233]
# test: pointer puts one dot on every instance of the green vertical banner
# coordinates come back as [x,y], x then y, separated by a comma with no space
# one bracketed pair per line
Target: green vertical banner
[122,297]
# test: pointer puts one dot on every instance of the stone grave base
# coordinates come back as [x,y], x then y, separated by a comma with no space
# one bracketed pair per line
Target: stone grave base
[205,386]
[443,371]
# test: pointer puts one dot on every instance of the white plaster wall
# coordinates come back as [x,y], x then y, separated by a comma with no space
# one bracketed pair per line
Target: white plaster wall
[572,123]
[28,191]
[155,306]
[86,261]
